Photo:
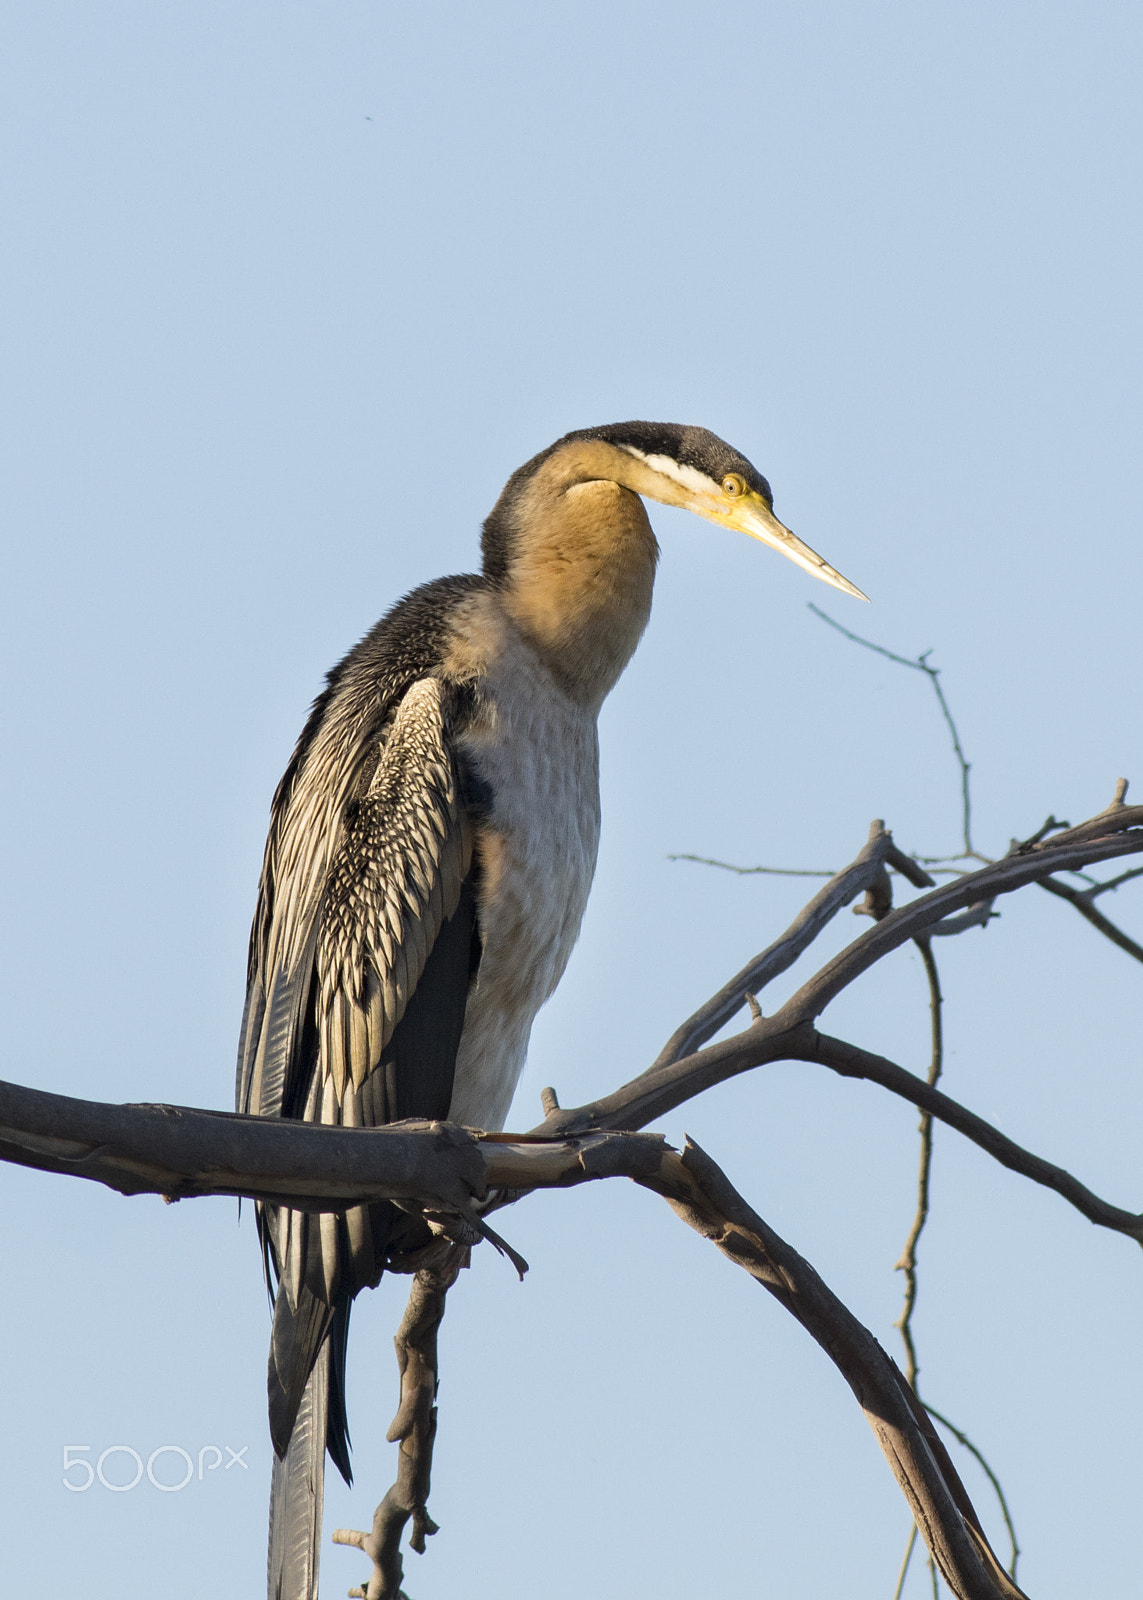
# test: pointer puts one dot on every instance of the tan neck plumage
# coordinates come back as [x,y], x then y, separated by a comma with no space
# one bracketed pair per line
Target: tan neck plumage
[583,568]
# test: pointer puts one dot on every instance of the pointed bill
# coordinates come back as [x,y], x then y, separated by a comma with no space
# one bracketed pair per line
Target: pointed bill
[753,516]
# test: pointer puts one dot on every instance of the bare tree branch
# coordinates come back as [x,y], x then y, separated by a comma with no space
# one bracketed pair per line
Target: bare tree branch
[905,1560]
[181,1153]
[908,1264]
[693,1185]
[676,1076]
[843,887]
[456,1175]
[852,1062]
[908,1260]
[963,1439]
[702,1195]
[921,664]
[414,1427]
[177,1152]
[750,872]
[1112,834]
[1082,898]
[441,1167]
[1103,885]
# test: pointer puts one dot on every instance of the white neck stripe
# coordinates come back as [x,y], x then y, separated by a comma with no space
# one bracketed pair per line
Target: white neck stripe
[689,477]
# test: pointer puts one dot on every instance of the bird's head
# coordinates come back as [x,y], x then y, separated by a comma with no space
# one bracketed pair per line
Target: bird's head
[678,466]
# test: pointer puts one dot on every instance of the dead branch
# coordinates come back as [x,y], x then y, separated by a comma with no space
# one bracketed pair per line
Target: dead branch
[1113,833]
[754,872]
[179,1152]
[455,1173]
[908,1259]
[908,1265]
[700,1193]
[852,1062]
[1105,885]
[182,1153]
[863,871]
[966,1443]
[682,1070]
[414,1428]
[1081,899]
[439,1166]
[921,664]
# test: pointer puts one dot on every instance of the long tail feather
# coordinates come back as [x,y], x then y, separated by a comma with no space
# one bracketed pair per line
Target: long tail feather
[296,1338]
[296,1494]
[337,1426]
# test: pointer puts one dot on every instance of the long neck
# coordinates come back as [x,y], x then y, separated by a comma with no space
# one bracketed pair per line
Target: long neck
[581,567]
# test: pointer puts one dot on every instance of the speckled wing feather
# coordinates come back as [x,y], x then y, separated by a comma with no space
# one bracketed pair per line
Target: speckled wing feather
[362,953]
[332,769]
[394,883]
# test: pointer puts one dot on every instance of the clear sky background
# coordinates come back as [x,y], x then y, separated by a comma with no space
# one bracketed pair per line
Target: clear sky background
[288,291]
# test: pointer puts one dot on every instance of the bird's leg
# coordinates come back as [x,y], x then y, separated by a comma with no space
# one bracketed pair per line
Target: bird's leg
[414,1428]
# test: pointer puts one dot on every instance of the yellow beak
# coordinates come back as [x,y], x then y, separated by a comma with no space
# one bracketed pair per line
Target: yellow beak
[752,515]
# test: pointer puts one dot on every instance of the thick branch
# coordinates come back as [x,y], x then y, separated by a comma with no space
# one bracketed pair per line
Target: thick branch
[178,1153]
[702,1195]
[390,1161]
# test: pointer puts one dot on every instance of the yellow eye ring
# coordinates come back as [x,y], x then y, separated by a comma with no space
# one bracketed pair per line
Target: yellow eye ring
[733,485]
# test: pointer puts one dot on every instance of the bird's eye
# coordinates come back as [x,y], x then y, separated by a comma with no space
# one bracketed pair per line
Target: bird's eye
[733,485]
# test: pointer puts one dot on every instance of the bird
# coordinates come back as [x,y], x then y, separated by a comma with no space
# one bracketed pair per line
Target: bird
[431,848]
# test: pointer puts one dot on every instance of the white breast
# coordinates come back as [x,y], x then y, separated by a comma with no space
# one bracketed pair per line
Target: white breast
[538,752]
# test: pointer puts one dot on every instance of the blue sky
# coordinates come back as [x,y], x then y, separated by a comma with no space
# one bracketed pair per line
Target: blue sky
[288,292]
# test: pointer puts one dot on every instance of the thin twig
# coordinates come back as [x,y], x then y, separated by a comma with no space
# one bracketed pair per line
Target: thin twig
[1102,839]
[1099,886]
[867,867]
[962,1438]
[811,872]
[1081,899]
[920,664]
[682,1070]
[904,1572]
[749,872]
[908,1262]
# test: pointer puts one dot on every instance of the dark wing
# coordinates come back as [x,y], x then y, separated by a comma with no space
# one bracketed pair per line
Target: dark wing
[394,887]
[332,769]
[358,989]
[369,850]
